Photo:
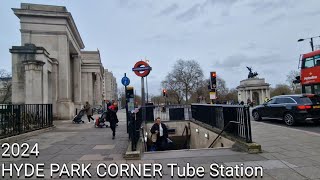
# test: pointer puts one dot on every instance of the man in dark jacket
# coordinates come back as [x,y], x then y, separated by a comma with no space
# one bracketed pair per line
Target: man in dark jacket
[161,131]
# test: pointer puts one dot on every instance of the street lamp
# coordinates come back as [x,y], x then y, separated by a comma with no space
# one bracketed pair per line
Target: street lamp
[311,41]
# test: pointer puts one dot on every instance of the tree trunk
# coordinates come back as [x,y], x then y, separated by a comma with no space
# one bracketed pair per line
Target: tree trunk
[186,95]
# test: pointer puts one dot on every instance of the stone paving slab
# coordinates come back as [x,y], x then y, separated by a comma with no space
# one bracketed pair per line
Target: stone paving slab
[309,172]
[104,147]
[284,174]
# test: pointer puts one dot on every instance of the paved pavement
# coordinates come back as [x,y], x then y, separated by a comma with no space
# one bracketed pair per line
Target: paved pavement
[288,153]
[310,126]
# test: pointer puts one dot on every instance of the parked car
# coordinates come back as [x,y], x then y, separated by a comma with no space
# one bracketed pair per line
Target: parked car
[290,108]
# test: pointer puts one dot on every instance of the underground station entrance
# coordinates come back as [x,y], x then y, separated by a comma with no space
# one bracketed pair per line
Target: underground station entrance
[192,127]
[186,134]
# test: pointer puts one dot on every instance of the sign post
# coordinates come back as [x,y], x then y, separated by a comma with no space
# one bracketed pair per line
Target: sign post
[142,69]
[126,81]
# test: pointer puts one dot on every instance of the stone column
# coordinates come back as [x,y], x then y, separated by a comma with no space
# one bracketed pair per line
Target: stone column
[65,106]
[54,86]
[18,80]
[245,96]
[33,81]
[64,68]
[77,80]
[84,87]
[90,87]
[251,95]
[263,95]
[98,91]
[94,90]
[268,93]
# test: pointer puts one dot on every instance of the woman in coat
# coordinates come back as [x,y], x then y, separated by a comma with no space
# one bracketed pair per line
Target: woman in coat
[88,109]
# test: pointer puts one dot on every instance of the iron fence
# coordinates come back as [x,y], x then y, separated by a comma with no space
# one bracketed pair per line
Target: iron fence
[219,116]
[22,118]
[167,112]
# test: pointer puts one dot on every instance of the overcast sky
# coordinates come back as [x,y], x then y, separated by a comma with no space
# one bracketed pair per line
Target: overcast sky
[222,35]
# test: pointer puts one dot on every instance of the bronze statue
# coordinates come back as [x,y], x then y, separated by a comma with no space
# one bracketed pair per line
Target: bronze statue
[251,74]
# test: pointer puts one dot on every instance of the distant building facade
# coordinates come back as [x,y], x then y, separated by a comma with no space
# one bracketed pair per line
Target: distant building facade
[110,86]
[50,66]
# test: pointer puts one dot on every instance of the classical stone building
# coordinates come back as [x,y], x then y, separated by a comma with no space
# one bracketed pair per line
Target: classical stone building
[51,66]
[92,74]
[255,89]
[110,86]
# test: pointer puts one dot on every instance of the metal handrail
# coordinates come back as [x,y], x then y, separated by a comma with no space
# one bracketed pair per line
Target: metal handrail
[187,134]
[144,140]
[225,127]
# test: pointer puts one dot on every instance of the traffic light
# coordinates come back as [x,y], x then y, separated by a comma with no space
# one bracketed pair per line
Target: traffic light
[164,93]
[129,93]
[213,80]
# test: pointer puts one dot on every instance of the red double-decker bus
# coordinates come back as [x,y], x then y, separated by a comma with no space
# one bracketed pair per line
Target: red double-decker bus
[310,72]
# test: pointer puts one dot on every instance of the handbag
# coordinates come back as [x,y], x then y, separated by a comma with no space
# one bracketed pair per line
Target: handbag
[154,137]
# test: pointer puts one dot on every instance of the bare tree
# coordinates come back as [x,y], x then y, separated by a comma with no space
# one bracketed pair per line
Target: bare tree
[223,92]
[296,88]
[201,93]
[222,89]
[232,96]
[173,87]
[280,89]
[157,100]
[5,86]
[188,74]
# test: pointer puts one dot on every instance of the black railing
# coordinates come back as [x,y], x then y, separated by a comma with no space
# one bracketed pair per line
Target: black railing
[135,122]
[219,116]
[22,118]
[167,112]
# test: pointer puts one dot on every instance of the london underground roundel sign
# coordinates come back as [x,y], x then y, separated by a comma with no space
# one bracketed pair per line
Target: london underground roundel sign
[142,69]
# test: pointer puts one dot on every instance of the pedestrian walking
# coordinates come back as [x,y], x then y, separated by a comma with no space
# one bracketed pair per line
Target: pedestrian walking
[113,118]
[88,110]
